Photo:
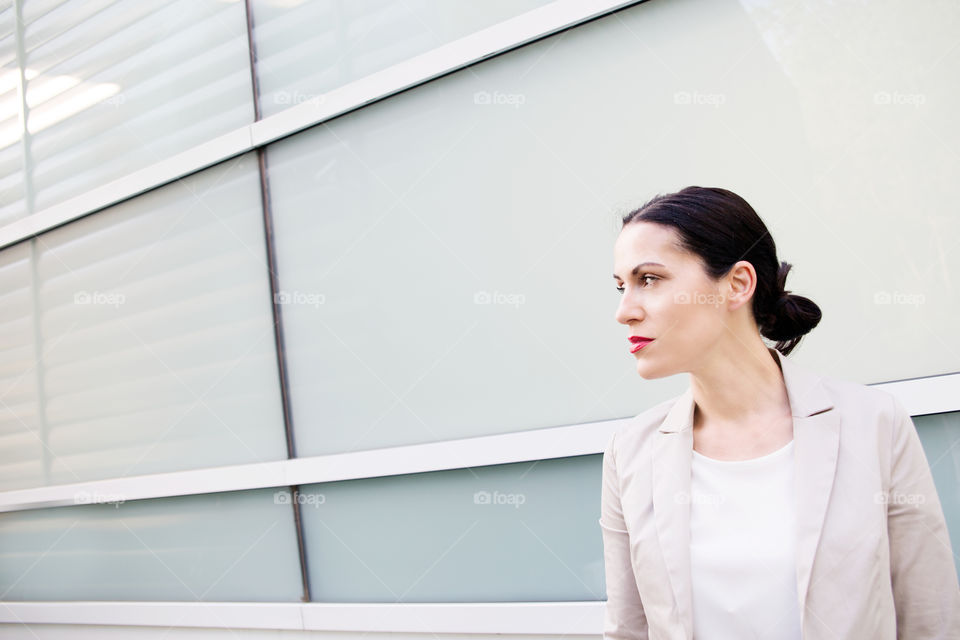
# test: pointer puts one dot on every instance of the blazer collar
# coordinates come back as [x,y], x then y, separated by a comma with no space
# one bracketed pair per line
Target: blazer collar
[816,433]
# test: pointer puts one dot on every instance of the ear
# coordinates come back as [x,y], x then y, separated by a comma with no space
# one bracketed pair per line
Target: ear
[740,283]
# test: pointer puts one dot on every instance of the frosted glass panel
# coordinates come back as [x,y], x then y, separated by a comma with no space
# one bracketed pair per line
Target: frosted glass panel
[307,48]
[237,546]
[444,277]
[113,86]
[22,455]
[448,251]
[157,332]
[940,435]
[515,532]
[12,202]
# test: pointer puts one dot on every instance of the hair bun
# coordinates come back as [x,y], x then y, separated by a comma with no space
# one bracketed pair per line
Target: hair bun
[791,318]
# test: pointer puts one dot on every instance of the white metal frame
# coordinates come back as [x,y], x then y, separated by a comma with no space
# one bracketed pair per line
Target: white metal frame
[521,618]
[930,394]
[537,444]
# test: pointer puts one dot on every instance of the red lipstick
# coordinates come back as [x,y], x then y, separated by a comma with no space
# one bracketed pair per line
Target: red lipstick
[638,342]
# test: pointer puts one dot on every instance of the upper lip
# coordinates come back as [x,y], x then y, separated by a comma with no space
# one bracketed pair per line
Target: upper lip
[636,339]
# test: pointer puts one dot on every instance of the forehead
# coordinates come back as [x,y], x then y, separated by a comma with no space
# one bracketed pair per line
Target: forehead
[646,242]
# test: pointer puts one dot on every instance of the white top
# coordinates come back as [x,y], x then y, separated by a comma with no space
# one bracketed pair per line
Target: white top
[743,548]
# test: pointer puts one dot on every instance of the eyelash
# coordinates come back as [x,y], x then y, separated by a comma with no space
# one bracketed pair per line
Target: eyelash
[642,278]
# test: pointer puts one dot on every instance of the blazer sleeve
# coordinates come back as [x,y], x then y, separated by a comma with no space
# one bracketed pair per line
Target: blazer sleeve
[624,617]
[922,572]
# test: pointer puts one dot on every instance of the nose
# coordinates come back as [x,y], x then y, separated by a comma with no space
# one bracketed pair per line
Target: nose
[629,310]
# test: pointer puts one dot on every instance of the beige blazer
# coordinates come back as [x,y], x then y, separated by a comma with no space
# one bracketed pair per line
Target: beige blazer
[874,560]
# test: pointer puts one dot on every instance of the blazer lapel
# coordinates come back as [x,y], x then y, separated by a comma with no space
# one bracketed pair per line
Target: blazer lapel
[816,446]
[816,433]
[672,456]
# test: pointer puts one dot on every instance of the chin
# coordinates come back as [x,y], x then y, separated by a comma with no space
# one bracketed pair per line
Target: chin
[648,372]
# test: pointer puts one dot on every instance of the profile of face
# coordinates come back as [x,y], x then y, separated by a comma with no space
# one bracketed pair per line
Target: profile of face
[669,297]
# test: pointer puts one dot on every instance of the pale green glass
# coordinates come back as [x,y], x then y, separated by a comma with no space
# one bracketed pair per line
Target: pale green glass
[505,533]
[236,546]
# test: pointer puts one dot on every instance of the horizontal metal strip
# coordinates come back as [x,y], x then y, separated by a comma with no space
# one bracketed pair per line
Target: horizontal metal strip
[494,40]
[930,394]
[156,175]
[920,396]
[567,618]
[537,444]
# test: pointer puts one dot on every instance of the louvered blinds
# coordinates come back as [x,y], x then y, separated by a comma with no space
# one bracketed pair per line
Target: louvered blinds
[116,86]
[12,203]
[22,453]
[157,334]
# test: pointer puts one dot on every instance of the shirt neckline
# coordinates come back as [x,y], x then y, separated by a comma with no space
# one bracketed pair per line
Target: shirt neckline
[767,456]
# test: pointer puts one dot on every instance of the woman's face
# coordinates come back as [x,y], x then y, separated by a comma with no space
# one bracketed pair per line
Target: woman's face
[667,296]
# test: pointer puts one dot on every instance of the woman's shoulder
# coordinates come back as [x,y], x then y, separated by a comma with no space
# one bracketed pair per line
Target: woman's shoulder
[865,409]
[847,395]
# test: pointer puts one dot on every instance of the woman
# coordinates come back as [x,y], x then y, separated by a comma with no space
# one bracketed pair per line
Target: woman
[766,501]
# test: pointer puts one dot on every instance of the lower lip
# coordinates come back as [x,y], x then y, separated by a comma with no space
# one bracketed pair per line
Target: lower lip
[639,346]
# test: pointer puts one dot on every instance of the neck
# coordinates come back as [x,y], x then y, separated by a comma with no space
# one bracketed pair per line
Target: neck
[735,385]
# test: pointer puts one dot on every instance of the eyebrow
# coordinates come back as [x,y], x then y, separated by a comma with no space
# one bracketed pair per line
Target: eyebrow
[640,266]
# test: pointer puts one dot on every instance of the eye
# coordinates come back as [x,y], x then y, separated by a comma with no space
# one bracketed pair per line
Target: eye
[643,281]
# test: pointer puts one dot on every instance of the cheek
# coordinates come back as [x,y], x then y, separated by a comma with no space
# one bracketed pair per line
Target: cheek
[698,322]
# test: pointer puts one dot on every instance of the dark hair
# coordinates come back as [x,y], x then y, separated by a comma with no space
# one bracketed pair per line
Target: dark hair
[722,228]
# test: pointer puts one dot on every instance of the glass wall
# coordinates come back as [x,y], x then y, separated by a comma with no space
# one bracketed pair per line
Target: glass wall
[237,546]
[505,533]
[155,334]
[429,267]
